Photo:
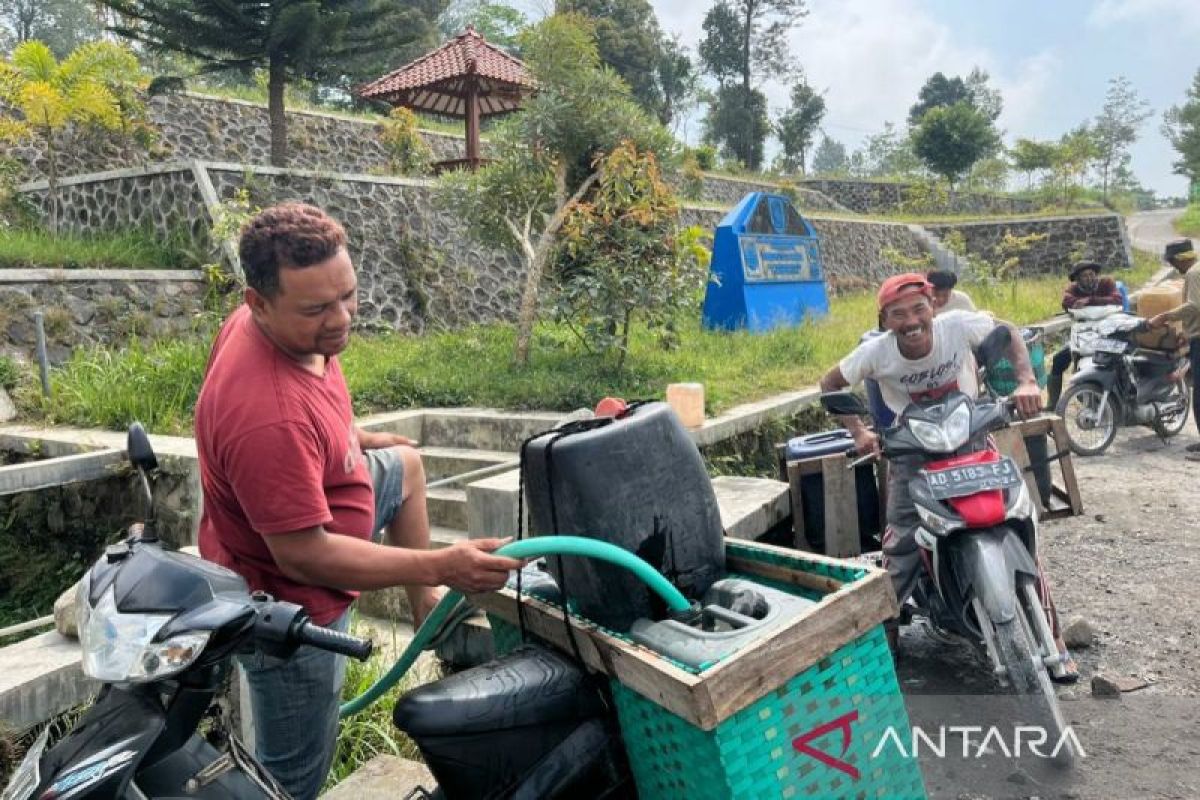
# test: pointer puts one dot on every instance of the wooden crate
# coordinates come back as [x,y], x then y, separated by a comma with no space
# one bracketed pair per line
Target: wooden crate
[841,502]
[1065,499]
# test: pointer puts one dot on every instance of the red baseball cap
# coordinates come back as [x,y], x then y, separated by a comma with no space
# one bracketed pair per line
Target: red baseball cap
[902,285]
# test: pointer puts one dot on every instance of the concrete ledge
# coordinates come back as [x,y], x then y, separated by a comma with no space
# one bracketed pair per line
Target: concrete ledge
[57,471]
[41,677]
[383,778]
[164,168]
[358,177]
[743,418]
[751,506]
[67,275]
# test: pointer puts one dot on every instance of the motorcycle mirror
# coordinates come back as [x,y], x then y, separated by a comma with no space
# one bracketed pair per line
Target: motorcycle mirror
[843,404]
[141,454]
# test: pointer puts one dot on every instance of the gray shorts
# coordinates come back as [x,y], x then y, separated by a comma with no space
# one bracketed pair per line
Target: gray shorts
[387,476]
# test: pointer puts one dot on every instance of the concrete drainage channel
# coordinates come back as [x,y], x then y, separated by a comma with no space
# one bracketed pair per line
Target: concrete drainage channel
[470,458]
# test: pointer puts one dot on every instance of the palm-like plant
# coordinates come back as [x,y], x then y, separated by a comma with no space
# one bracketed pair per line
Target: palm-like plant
[91,87]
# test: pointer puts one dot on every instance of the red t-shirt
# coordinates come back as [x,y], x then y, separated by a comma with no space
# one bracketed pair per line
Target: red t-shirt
[278,453]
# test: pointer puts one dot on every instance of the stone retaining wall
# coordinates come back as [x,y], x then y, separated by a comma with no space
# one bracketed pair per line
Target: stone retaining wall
[82,307]
[875,197]
[729,191]
[1103,234]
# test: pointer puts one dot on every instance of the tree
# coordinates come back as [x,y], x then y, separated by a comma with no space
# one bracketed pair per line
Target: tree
[496,22]
[890,154]
[90,88]
[678,80]
[1073,157]
[1030,156]
[629,40]
[797,127]
[1116,126]
[1181,126]
[737,121]
[745,39]
[290,39]
[62,25]
[951,139]
[829,158]
[989,174]
[622,254]
[545,155]
[984,97]
[938,92]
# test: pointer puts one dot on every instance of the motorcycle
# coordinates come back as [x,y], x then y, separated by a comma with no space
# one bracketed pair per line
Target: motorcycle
[159,630]
[978,539]
[1121,384]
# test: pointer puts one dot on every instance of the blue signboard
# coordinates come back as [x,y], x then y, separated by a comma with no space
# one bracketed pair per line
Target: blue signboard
[767,268]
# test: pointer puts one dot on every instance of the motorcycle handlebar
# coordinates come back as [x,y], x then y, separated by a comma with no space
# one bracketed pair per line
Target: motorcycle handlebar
[334,641]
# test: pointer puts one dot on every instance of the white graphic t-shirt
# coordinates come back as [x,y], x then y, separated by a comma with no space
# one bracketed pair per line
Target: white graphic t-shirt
[949,367]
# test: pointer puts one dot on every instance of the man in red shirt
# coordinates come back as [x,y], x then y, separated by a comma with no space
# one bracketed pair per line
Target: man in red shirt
[294,493]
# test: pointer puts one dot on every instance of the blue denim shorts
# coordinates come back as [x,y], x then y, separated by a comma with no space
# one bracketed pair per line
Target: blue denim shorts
[387,476]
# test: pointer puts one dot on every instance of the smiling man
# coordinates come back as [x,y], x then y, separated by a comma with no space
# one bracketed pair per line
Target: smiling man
[295,494]
[922,359]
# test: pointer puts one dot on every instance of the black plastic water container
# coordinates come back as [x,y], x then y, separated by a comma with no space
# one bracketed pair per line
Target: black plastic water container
[812,488]
[638,482]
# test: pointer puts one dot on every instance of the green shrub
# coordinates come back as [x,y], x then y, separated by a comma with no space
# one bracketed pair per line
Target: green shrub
[408,154]
[10,373]
[28,248]
[1188,223]
[706,157]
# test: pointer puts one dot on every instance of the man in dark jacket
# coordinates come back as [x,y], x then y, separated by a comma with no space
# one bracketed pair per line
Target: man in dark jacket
[1087,288]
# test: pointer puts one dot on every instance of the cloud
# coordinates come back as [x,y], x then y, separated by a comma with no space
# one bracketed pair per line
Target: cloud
[1173,14]
[1026,93]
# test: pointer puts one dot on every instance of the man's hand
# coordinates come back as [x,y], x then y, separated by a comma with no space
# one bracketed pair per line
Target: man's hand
[376,440]
[866,441]
[1028,398]
[469,566]
[1159,320]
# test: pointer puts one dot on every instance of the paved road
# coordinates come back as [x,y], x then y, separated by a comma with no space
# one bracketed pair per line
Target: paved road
[1150,230]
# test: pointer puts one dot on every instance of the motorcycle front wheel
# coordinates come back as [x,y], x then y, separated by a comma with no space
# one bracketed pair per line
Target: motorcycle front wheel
[1030,680]
[1089,432]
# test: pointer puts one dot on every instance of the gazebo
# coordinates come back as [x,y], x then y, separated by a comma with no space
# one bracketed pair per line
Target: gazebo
[465,77]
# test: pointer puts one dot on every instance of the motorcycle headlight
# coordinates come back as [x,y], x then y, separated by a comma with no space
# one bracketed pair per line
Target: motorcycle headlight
[119,647]
[946,437]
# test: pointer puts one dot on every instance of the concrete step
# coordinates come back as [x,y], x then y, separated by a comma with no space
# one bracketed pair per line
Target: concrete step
[443,462]
[40,677]
[484,429]
[447,508]
[384,777]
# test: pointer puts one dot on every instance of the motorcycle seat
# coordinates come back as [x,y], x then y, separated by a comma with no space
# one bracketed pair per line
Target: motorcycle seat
[1145,355]
[531,686]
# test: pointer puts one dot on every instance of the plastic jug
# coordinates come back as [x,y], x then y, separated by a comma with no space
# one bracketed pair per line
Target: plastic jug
[1157,299]
[687,400]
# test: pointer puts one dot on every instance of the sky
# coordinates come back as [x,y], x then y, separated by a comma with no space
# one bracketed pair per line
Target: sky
[1051,59]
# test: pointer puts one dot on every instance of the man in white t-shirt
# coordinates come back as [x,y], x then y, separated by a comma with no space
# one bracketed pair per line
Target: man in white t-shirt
[921,359]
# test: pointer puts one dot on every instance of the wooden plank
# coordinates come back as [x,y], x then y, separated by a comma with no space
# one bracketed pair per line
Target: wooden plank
[1058,434]
[781,461]
[841,507]
[59,471]
[796,490]
[819,583]
[646,673]
[764,666]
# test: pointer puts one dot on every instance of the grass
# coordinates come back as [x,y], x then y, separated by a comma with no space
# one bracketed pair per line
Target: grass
[1188,223]
[371,732]
[158,383]
[26,248]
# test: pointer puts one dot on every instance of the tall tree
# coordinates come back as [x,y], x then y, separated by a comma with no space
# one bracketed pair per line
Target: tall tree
[62,24]
[950,139]
[499,23]
[1116,127]
[1073,157]
[938,92]
[984,97]
[678,80]
[1031,156]
[630,41]
[797,126]
[830,157]
[890,153]
[1181,126]
[737,122]
[745,39]
[288,38]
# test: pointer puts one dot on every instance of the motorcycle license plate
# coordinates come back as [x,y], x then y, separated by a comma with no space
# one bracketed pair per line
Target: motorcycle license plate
[973,479]
[1115,346]
[26,778]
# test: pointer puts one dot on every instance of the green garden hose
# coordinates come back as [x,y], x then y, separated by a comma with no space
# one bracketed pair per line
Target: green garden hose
[526,548]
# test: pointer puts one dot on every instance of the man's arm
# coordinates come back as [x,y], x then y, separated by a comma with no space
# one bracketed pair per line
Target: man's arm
[1107,294]
[1069,298]
[316,557]
[375,440]
[866,439]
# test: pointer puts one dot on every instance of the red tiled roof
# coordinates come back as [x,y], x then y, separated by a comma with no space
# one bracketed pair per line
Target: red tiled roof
[437,81]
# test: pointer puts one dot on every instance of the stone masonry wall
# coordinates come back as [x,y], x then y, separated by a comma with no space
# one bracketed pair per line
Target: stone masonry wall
[729,191]
[82,307]
[416,265]
[1104,237]
[874,197]
[852,250]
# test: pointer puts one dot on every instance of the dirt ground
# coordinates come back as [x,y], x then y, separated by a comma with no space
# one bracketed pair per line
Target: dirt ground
[1126,566]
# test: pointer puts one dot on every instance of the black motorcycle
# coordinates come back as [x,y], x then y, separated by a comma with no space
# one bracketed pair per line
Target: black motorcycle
[1122,384]
[159,630]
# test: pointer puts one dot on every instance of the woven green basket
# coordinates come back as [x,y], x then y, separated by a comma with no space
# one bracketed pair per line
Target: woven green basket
[821,734]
